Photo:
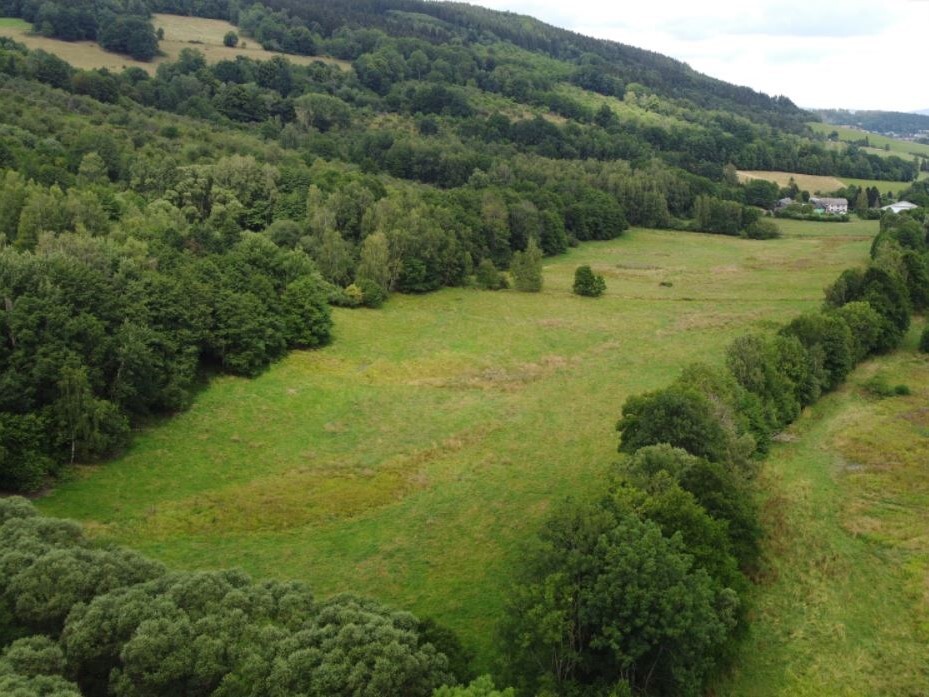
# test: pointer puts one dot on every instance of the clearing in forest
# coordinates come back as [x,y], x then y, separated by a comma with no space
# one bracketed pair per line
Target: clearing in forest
[413,457]
[204,35]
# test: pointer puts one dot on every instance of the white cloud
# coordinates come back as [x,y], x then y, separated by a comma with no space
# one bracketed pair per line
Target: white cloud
[855,54]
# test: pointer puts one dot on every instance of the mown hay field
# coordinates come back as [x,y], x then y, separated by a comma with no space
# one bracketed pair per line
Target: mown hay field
[842,607]
[204,35]
[815,183]
[412,458]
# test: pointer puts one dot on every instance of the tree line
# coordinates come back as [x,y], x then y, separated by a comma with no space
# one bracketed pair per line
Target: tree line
[641,590]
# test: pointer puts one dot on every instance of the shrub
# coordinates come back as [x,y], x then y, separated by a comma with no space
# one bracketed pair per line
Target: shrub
[372,294]
[877,386]
[587,283]
[231,39]
[488,277]
[352,296]
[481,687]
[762,230]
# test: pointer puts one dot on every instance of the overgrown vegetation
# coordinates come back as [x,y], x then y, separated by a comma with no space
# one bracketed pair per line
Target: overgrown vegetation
[645,587]
[158,230]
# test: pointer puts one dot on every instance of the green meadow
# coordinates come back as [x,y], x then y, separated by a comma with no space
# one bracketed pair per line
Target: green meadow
[413,457]
[842,607]
[902,148]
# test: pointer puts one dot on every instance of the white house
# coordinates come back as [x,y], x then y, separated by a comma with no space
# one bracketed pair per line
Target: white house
[830,205]
[900,206]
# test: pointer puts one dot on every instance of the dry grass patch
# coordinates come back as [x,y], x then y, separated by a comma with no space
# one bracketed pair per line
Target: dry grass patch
[204,35]
[807,182]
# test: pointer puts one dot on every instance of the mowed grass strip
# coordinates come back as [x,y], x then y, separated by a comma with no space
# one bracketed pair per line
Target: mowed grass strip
[412,458]
[843,607]
[204,35]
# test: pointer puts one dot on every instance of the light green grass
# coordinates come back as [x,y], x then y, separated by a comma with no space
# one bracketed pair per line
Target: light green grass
[903,148]
[622,108]
[843,607]
[410,459]
[14,23]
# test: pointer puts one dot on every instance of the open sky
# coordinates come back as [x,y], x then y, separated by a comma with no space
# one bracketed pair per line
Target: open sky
[856,54]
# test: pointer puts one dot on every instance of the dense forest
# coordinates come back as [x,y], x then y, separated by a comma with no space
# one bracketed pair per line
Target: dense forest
[156,230]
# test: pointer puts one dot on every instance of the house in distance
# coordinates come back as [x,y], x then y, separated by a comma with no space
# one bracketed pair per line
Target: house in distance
[838,206]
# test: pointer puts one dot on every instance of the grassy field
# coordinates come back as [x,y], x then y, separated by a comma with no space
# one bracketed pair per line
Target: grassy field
[902,148]
[815,183]
[204,35]
[410,459]
[844,608]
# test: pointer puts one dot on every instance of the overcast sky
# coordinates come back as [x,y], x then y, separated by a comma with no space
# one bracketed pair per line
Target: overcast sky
[855,54]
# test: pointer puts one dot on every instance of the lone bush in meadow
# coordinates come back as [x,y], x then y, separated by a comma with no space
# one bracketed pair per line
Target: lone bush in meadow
[762,230]
[587,283]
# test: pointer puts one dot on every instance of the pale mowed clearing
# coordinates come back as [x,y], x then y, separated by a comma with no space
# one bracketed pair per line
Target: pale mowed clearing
[413,457]
[204,35]
[815,183]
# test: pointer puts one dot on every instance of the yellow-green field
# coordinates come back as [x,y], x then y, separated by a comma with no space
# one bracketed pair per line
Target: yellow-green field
[815,183]
[410,459]
[902,148]
[204,35]
[843,608]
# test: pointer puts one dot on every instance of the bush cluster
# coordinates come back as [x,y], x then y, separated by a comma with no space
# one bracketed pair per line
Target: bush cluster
[81,620]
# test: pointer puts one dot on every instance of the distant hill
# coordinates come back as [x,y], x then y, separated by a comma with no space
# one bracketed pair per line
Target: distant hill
[443,22]
[922,111]
[892,123]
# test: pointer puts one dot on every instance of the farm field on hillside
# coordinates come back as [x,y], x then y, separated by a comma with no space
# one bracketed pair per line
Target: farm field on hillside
[413,457]
[820,184]
[843,609]
[204,35]
[900,147]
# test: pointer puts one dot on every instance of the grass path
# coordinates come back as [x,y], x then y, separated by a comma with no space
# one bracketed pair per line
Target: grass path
[844,606]
[410,459]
